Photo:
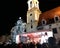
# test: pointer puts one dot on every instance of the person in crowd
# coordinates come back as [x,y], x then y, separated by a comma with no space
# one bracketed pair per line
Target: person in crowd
[38,45]
[20,45]
[52,42]
[58,44]
[24,45]
[44,45]
[28,45]
[32,45]
[1,45]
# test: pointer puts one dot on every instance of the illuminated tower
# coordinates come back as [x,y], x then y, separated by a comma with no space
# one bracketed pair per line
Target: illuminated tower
[32,15]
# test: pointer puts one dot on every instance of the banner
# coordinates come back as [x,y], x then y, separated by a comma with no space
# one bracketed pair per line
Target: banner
[40,36]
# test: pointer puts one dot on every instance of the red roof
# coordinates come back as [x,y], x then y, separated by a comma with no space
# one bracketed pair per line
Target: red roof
[49,14]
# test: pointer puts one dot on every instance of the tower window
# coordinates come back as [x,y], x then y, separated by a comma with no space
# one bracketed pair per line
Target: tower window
[54,30]
[30,14]
[31,20]
[31,26]
[31,4]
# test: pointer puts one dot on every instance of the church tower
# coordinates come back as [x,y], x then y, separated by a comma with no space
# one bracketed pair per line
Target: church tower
[33,14]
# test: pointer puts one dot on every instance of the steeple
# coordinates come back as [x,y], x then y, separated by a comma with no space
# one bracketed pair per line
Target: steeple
[33,14]
[33,3]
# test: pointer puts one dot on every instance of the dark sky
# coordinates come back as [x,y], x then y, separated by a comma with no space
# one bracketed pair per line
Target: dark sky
[12,10]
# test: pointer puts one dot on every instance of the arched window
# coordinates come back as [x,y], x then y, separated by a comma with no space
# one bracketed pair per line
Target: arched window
[36,4]
[43,22]
[31,24]
[56,18]
[31,4]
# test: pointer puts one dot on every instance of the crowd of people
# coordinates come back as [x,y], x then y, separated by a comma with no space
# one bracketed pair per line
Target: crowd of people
[51,44]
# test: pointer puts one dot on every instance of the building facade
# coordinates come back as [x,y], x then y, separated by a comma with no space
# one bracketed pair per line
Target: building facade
[50,20]
[33,14]
[42,21]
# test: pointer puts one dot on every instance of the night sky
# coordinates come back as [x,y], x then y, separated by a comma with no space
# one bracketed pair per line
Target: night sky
[12,10]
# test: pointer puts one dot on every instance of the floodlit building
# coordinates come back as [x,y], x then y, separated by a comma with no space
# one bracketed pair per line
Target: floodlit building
[33,14]
[50,20]
[42,21]
[36,20]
